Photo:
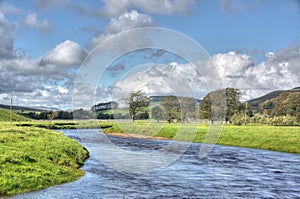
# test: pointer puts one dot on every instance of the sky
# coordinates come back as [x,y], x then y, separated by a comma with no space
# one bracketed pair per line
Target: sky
[253,46]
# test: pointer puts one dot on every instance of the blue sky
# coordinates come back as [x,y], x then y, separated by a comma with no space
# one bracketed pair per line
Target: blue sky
[44,41]
[257,26]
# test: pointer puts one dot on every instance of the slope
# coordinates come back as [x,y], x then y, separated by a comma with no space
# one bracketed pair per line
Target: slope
[5,116]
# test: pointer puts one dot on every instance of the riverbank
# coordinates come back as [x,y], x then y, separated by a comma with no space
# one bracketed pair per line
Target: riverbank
[33,158]
[275,138]
[260,136]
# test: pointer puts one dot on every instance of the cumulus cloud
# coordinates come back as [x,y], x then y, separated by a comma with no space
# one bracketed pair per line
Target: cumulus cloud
[9,9]
[180,80]
[126,21]
[44,80]
[279,71]
[235,69]
[232,64]
[41,25]
[6,38]
[40,97]
[115,8]
[65,54]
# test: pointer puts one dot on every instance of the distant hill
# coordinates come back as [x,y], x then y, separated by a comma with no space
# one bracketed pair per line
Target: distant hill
[157,99]
[255,102]
[5,116]
[27,108]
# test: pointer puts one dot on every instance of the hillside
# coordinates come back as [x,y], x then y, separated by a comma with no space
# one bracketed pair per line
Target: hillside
[255,102]
[157,99]
[5,116]
[27,108]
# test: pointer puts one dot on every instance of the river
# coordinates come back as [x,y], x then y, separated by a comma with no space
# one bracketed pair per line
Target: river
[227,172]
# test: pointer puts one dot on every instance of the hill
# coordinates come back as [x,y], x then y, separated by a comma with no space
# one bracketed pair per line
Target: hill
[157,99]
[5,116]
[254,103]
[27,108]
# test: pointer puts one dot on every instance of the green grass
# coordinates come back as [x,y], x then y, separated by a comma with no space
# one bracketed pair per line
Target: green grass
[5,116]
[65,124]
[115,111]
[276,138]
[32,158]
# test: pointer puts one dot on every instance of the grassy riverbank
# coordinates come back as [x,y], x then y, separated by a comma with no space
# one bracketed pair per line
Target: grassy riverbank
[261,136]
[276,138]
[32,158]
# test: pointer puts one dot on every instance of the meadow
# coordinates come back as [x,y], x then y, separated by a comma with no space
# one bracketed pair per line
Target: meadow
[261,136]
[32,158]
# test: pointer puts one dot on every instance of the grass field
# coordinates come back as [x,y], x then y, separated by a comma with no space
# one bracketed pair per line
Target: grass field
[5,116]
[33,158]
[276,138]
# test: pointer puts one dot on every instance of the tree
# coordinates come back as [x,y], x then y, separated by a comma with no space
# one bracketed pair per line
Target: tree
[158,113]
[205,107]
[188,108]
[213,103]
[136,101]
[172,108]
[232,102]
[53,115]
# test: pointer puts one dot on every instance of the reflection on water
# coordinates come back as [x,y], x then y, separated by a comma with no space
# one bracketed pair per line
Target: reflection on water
[227,172]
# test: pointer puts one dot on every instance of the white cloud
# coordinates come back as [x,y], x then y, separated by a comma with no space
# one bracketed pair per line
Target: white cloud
[9,9]
[36,84]
[65,54]
[279,71]
[126,21]
[236,71]
[6,38]
[41,25]
[114,8]
[182,80]
[40,97]
[42,81]
[232,64]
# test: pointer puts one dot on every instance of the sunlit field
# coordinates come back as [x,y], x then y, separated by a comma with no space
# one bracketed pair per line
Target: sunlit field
[32,158]
[277,138]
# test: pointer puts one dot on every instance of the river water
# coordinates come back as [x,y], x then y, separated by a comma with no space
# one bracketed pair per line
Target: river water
[227,172]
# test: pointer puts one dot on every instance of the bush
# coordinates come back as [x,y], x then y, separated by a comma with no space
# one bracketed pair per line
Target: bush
[283,121]
[239,119]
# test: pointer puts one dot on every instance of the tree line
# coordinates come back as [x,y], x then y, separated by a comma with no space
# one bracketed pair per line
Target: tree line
[282,110]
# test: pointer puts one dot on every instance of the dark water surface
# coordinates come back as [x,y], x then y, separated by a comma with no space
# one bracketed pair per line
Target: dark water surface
[227,172]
